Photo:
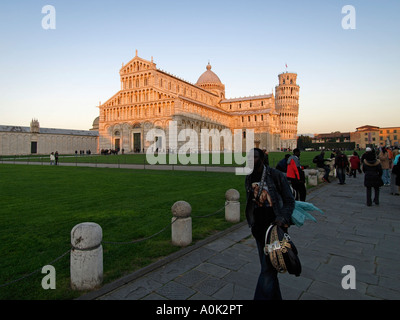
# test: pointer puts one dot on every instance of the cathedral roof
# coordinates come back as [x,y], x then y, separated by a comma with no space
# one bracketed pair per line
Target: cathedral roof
[208,77]
[49,131]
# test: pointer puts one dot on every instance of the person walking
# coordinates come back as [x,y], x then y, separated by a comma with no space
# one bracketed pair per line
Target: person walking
[354,164]
[269,201]
[296,175]
[385,163]
[372,176]
[341,164]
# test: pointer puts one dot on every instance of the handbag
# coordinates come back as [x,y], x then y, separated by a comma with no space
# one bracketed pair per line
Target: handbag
[260,192]
[281,251]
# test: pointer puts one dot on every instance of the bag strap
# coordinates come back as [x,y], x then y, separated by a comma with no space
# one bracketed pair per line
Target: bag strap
[260,187]
[266,239]
[276,248]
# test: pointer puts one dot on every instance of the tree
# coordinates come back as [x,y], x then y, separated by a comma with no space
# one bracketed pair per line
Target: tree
[304,142]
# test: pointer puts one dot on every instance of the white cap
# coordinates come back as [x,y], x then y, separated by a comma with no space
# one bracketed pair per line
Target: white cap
[368,149]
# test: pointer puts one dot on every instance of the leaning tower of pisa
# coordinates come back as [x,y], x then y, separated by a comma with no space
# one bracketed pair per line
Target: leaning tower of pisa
[287,105]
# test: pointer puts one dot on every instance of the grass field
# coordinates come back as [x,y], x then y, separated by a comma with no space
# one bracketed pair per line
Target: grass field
[274,157]
[41,204]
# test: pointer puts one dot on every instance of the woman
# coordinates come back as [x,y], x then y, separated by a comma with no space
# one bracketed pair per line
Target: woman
[354,164]
[373,176]
[273,204]
[385,163]
[52,158]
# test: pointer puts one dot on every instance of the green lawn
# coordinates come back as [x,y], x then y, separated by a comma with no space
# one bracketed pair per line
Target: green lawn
[41,204]
[274,157]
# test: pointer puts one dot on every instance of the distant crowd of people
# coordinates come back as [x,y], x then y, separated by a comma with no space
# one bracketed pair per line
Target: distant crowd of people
[380,167]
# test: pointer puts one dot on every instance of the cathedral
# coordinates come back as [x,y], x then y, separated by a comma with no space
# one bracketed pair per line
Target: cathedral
[151,98]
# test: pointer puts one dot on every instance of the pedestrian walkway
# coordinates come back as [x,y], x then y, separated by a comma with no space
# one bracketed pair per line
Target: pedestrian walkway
[208,168]
[226,266]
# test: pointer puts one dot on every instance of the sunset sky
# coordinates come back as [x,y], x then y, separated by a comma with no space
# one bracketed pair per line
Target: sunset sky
[347,77]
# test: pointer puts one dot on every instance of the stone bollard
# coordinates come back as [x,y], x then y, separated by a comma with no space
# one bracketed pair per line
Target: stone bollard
[181,228]
[312,177]
[86,256]
[232,206]
[320,174]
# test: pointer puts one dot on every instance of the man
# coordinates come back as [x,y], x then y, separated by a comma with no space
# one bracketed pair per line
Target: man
[282,165]
[296,175]
[341,163]
[320,162]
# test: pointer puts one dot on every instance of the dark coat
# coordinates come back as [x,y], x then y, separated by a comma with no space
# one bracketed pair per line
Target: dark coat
[281,195]
[396,171]
[373,173]
[320,161]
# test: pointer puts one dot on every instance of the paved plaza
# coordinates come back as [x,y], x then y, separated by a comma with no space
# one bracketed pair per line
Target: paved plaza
[226,266]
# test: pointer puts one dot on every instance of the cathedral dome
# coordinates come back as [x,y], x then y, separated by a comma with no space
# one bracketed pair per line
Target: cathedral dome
[208,77]
[95,125]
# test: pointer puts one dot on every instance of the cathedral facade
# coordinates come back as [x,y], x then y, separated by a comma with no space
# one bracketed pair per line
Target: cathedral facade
[151,99]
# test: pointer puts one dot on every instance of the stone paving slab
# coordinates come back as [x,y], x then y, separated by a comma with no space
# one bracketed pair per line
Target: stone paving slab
[348,233]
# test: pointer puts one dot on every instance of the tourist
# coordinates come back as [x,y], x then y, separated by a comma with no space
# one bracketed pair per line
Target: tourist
[373,175]
[282,165]
[354,164]
[56,157]
[395,176]
[274,204]
[320,162]
[385,163]
[296,175]
[367,151]
[341,164]
[52,158]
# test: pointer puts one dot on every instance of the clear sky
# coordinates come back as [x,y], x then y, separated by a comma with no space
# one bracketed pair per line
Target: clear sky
[347,77]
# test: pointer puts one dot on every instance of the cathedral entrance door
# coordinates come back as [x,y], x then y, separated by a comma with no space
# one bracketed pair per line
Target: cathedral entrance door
[117,144]
[136,142]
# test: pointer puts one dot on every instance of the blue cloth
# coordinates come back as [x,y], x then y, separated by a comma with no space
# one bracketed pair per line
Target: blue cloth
[396,160]
[300,213]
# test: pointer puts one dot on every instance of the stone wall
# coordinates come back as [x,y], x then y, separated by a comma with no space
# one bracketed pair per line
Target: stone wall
[19,143]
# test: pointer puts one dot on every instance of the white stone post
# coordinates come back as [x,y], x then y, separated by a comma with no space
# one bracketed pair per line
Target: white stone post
[232,206]
[181,228]
[86,256]
[312,177]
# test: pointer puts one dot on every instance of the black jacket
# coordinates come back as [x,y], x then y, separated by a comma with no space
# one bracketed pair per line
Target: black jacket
[320,161]
[373,173]
[281,195]
[396,172]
